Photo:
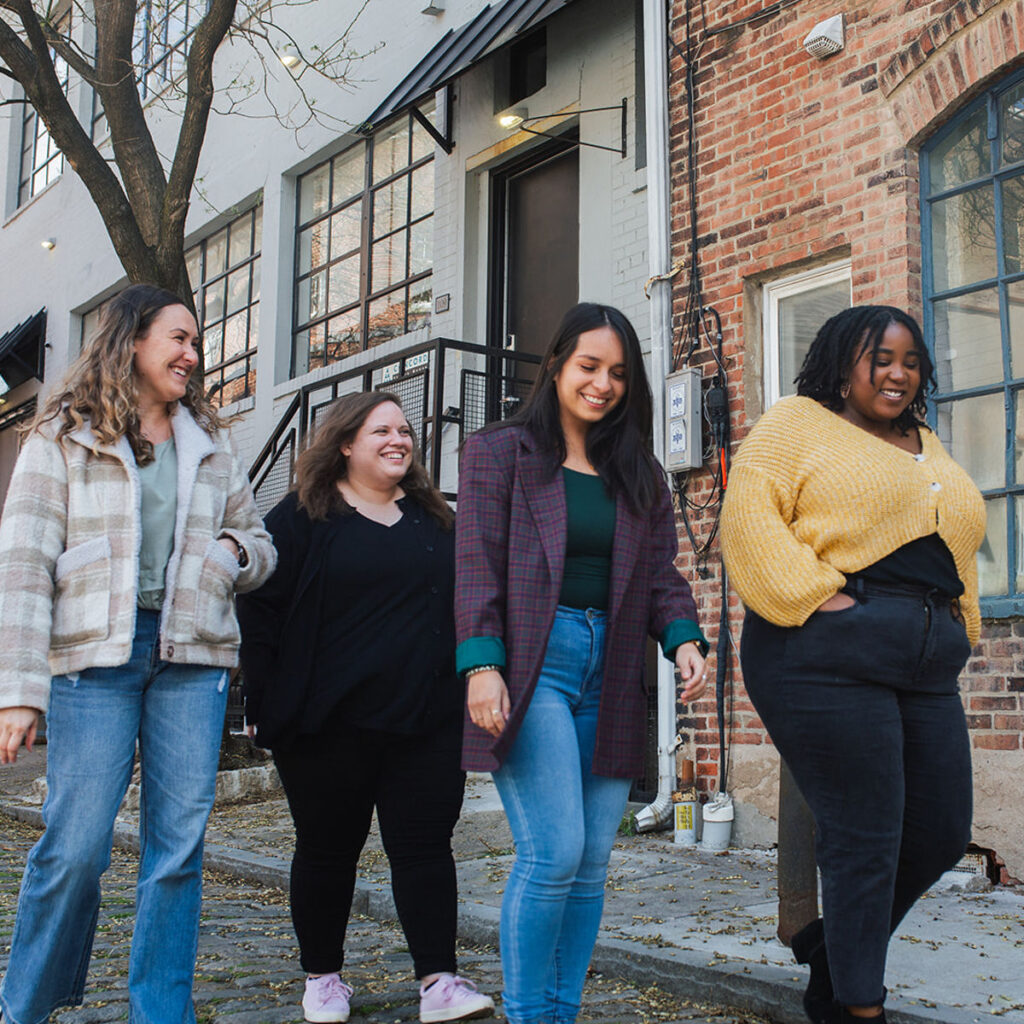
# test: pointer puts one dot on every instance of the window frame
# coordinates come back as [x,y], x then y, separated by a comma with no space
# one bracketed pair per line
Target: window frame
[27,190]
[369,293]
[252,261]
[785,288]
[1010,386]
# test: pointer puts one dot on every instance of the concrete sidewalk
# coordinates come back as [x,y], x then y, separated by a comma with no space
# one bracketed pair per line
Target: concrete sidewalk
[699,925]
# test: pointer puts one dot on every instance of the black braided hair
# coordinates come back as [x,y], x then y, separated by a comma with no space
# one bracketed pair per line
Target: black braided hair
[842,340]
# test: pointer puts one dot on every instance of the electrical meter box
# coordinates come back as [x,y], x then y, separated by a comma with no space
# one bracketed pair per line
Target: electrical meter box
[683,448]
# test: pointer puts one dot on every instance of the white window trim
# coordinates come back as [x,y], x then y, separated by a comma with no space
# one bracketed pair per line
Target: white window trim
[784,288]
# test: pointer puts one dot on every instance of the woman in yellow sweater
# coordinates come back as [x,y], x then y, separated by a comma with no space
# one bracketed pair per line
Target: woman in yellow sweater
[851,535]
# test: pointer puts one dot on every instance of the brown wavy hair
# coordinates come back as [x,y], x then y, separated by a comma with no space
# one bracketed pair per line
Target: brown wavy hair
[100,385]
[319,468]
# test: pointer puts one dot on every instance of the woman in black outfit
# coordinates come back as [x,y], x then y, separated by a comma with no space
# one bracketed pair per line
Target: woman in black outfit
[348,660]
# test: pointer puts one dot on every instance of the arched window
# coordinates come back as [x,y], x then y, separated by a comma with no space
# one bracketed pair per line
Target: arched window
[972,220]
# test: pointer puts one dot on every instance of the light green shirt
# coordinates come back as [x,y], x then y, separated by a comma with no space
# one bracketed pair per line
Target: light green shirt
[159,482]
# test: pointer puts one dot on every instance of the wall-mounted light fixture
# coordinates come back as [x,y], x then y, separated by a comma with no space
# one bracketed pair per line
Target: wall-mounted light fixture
[288,57]
[434,7]
[518,118]
[513,117]
[48,243]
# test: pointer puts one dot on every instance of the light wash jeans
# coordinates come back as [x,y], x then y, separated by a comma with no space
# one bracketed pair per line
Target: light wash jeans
[564,820]
[175,712]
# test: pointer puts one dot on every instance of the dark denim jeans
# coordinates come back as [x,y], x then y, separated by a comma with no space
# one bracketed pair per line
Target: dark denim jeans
[862,703]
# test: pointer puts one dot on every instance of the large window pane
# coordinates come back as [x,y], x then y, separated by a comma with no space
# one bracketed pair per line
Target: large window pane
[420,300]
[421,247]
[216,254]
[343,336]
[388,261]
[240,246]
[993,571]
[800,317]
[973,431]
[349,174]
[390,207]
[344,286]
[386,318]
[963,239]
[1011,124]
[390,150]
[346,230]
[968,341]
[314,193]
[962,156]
[1015,317]
[313,251]
[1013,224]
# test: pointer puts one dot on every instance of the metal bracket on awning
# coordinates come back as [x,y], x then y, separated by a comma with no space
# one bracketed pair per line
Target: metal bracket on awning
[621,149]
[443,102]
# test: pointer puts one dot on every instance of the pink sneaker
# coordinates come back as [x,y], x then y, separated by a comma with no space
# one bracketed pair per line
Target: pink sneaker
[452,998]
[326,999]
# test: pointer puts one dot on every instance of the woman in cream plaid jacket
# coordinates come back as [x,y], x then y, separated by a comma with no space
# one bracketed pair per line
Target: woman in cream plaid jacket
[128,527]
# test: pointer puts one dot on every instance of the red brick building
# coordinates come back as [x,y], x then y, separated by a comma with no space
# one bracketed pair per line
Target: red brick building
[891,171]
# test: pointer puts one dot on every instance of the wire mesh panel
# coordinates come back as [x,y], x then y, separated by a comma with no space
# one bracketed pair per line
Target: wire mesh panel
[412,389]
[485,399]
[277,480]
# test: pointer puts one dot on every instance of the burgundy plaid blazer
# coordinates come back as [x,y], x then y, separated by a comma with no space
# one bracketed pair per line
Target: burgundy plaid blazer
[509,557]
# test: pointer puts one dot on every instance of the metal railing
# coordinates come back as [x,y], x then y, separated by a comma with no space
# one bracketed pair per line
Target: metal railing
[441,382]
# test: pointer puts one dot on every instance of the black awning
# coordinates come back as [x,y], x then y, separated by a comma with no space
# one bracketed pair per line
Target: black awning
[459,49]
[22,352]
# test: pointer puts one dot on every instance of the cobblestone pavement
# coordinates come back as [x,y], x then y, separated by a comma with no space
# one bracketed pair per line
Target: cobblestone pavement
[248,971]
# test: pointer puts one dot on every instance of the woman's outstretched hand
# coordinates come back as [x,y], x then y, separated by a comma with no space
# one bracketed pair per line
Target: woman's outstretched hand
[487,700]
[17,726]
[690,663]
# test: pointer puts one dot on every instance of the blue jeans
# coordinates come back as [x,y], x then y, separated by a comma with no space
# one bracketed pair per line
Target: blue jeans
[175,713]
[563,820]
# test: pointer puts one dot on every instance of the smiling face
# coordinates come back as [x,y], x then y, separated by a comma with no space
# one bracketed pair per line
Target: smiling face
[381,452]
[880,393]
[166,356]
[592,381]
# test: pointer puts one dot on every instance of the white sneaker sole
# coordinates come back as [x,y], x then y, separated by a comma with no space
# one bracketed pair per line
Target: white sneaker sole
[324,1016]
[480,1007]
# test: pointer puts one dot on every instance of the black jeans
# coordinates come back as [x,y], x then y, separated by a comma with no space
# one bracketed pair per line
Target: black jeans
[862,704]
[333,781]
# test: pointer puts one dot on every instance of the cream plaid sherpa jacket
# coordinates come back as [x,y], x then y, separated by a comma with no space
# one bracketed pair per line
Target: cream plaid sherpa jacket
[69,557]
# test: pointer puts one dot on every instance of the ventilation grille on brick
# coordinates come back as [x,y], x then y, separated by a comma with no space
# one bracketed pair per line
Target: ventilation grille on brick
[825,38]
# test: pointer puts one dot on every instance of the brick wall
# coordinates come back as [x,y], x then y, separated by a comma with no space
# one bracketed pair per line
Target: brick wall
[803,161]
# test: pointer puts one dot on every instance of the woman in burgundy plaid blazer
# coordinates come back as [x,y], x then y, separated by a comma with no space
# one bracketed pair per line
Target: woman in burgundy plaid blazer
[565,547]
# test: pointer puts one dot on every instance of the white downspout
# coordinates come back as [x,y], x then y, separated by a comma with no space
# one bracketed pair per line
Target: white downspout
[658,813]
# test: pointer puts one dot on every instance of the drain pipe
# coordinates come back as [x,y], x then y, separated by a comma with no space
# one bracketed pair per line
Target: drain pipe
[658,813]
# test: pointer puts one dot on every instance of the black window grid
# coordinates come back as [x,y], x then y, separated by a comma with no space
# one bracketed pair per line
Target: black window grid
[313,346]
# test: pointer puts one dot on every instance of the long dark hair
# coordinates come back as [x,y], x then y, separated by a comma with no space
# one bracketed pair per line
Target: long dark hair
[319,468]
[100,384]
[618,446]
[842,340]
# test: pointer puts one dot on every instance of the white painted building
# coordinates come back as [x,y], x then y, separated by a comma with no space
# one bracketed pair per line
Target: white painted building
[324,267]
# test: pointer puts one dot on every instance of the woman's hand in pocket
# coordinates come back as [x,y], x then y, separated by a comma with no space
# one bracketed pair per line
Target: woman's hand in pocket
[836,602]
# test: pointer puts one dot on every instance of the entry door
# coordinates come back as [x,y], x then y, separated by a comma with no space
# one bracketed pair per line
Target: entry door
[535,250]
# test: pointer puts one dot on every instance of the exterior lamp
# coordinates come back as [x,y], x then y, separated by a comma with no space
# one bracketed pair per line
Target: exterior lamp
[288,57]
[513,117]
[48,243]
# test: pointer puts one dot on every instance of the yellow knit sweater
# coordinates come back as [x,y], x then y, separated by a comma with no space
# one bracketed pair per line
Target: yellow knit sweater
[811,496]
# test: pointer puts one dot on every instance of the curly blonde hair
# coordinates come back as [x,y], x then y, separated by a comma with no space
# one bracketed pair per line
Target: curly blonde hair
[100,385]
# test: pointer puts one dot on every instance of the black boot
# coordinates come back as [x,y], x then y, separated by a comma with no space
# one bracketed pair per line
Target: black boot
[808,947]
